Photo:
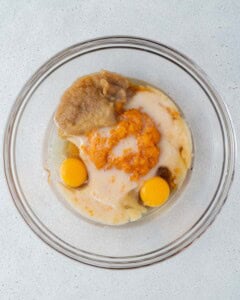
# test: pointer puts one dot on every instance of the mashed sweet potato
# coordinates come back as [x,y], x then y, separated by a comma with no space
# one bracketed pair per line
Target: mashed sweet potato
[131,123]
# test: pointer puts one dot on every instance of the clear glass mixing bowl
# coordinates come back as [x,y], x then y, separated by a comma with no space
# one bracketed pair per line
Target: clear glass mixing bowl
[174,226]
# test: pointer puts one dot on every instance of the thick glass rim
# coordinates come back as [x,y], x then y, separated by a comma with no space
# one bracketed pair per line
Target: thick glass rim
[200,225]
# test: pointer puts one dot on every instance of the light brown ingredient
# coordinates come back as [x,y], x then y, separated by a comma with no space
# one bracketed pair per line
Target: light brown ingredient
[89,103]
[71,150]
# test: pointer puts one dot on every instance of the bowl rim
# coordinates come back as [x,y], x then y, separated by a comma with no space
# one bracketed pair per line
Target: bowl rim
[209,214]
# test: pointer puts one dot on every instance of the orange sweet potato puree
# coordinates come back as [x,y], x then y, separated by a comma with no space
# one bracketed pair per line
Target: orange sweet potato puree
[131,123]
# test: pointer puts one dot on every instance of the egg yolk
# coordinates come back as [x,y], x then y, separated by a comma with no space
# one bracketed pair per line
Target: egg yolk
[73,172]
[154,192]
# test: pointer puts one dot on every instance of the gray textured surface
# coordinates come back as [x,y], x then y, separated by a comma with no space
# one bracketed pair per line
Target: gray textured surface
[206,31]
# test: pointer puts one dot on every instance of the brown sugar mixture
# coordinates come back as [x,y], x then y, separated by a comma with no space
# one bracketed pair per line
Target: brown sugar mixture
[91,101]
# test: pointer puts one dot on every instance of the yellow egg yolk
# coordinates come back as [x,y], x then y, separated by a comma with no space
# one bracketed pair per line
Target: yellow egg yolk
[73,172]
[154,192]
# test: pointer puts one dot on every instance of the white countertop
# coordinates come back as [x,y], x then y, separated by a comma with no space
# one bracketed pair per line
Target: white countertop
[206,31]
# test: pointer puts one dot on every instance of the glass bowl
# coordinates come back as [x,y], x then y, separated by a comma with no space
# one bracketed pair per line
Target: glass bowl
[172,227]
